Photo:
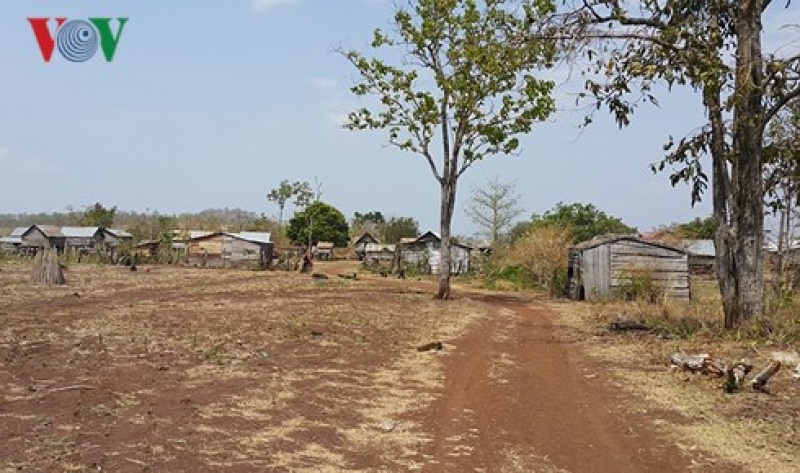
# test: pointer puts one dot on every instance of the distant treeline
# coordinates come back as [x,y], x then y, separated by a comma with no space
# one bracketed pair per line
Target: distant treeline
[148,225]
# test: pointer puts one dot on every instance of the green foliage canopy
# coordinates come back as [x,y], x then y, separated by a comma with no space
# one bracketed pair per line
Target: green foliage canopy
[318,222]
[99,216]
[397,228]
[585,220]
[697,229]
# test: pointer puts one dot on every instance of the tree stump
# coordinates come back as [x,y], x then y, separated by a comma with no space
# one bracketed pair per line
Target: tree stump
[47,270]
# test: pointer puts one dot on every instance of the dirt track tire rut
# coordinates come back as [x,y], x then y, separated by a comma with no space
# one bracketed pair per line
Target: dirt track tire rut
[520,396]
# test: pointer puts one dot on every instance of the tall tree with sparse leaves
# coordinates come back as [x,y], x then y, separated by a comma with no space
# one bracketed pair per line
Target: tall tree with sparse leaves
[494,207]
[713,47]
[301,191]
[465,89]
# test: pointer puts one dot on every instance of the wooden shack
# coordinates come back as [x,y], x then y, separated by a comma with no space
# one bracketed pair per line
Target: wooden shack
[43,236]
[360,245]
[424,253]
[82,238]
[602,267]
[376,253]
[114,237]
[323,250]
[230,250]
[702,256]
[13,242]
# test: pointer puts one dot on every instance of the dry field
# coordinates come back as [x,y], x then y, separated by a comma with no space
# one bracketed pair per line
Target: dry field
[759,431]
[173,369]
[178,369]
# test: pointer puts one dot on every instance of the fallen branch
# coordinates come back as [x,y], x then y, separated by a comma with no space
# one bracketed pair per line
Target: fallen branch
[627,326]
[759,383]
[702,363]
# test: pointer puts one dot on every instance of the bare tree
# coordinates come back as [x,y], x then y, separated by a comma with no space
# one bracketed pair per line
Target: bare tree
[494,207]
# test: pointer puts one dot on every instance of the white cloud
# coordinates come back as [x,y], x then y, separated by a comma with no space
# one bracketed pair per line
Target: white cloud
[263,5]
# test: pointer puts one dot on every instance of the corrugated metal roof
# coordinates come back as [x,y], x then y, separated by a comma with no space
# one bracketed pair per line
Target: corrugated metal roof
[11,240]
[19,231]
[366,237]
[611,238]
[699,247]
[79,232]
[255,237]
[49,230]
[119,233]
[325,245]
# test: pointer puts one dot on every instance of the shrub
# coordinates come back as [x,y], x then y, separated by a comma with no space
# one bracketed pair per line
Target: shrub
[537,259]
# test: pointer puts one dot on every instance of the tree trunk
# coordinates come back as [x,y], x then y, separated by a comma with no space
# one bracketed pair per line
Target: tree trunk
[448,185]
[46,269]
[723,206]
[748,166]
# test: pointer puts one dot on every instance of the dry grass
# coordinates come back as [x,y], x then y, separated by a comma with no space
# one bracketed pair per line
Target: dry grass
[230,369]
[759,431]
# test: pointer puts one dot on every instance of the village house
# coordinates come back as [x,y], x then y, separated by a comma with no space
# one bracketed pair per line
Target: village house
[360,245]
[702,256]
[230,250]
[602,267]
[424,253]
[323,250]
[377,253]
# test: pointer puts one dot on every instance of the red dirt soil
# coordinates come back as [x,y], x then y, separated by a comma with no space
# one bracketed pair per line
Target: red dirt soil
[552,409]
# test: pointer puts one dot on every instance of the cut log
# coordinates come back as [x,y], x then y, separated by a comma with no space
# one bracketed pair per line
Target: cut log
[47,270]
[627,325]
[702,363]
[759,383]
[735,374]
[319,276]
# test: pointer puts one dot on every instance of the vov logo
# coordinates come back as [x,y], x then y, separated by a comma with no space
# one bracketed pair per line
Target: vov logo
[77,40]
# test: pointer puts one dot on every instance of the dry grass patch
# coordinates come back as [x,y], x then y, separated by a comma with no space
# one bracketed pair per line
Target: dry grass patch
[759,431]
[190,368]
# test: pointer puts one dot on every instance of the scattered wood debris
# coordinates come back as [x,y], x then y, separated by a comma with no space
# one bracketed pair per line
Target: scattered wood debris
[431,346]
[759,383]
[702,363]
[319,276]
[627,326]
[353,277]
[734,374]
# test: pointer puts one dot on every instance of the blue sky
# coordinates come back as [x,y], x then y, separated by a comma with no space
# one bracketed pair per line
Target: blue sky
[211,103]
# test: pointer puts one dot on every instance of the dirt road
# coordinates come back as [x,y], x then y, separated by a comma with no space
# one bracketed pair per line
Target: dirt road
[519,396]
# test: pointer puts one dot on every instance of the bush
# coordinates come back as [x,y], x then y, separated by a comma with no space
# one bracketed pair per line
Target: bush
[537,259]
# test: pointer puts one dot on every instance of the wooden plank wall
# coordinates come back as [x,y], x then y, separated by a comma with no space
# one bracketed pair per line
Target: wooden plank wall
[668,268]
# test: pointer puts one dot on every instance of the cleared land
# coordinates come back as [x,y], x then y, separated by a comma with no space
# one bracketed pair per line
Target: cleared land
[172,369]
